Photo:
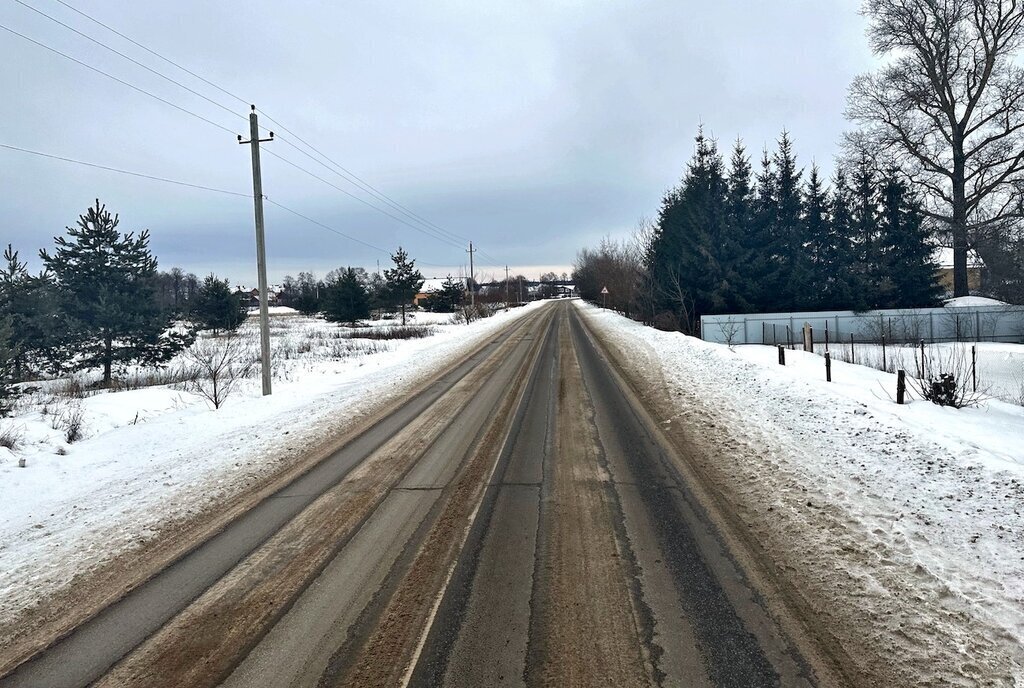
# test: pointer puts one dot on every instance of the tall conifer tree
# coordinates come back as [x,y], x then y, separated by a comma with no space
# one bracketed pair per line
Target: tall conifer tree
[907,266]
[107,288]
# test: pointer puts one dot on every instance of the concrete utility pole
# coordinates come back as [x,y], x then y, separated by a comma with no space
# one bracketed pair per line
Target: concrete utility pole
[261,249]
[472,294]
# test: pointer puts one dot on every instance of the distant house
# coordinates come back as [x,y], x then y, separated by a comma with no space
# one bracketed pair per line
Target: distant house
[944,257]
[250,298]
[429,287]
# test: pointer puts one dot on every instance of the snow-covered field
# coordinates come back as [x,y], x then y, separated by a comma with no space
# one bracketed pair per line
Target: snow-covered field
[161,453]
[905,522]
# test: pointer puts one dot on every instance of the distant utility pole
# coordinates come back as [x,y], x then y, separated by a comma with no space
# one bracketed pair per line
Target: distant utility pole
[472,296]
[261,248]
[506,286]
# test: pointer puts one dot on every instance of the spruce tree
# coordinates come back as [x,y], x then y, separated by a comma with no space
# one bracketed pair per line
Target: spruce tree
[864,233]
[216,307]
[764,271]
[8,354]
[449,297]
[30,305]
[346,299]
[688,265]
[816,233]
[107,290]
[794,275]
[307,300]
[403,281]
[841,290]
[908,271]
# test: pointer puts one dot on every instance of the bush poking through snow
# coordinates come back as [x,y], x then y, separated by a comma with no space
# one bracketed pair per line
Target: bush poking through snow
[71,422]
[218,365]
[396,332]
[947,380]
[11,437]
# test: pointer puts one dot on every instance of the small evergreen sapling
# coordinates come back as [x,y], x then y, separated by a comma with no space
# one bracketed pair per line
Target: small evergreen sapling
[403,281]
[346,299]
[216,307]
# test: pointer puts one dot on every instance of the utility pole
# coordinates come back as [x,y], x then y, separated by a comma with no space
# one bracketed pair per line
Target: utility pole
[261,248]
[506,286]
[472,295]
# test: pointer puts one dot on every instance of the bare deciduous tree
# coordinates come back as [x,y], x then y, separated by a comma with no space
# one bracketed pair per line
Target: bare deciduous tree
[218,364]
[948,108]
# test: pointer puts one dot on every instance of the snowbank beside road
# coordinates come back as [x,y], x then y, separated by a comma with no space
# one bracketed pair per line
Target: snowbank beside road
[903,524]
[159,454]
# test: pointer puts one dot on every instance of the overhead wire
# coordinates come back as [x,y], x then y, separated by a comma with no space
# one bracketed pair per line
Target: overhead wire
[429,229]
[356,180]
[329,183]
[122,171]
[103,45]
[340,170]
[152,52]
[114,78]
[202,187]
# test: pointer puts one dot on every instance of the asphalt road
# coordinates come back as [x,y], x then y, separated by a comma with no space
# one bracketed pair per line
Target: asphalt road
[520,522]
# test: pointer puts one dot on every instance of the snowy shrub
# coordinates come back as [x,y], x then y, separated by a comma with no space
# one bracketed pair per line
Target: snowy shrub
[71,422]
[467,313]
[947,378]
[11,437]
[154,377]
[395,332]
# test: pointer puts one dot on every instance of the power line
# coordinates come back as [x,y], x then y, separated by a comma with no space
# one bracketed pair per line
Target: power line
[201,187]
[129,58]
[429,229]
[118,80]
[314,175]
[354,179]
[127,172]
[340,170]
[153,52]
[327,227]
[346,174]
[339,232]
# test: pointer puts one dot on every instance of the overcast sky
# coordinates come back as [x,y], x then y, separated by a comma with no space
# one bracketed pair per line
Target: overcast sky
[532,128]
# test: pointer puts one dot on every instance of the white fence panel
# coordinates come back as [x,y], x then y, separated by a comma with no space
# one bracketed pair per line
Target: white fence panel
[975,323]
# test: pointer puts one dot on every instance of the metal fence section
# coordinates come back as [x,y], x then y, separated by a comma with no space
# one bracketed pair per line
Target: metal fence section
[973,323]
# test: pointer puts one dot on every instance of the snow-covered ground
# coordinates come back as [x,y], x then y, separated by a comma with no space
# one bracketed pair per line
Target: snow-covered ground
[1000,366]
[906,522]
[161,453]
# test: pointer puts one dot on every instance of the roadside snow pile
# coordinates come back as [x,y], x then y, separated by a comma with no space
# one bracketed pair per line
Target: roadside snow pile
[972,301]
[161,453]
[904,523]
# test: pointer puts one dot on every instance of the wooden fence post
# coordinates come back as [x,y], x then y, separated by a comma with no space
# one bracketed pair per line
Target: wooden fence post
[883,354]
[782,355]
[828,367]
[923,371]
[974,368]
[901,386]
[852,361]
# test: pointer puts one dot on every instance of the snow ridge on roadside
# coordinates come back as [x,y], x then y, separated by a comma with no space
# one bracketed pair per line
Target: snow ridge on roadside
[64,515]
[907,523]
